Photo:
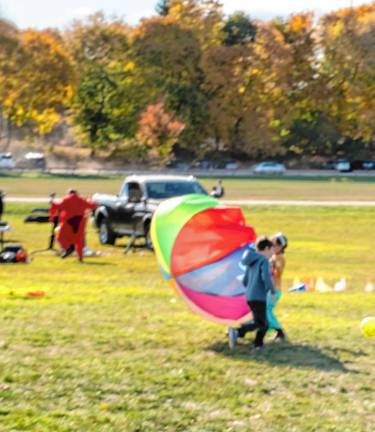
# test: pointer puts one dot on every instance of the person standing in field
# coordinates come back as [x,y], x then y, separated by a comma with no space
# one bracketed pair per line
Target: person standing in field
[1,204]
[258,284]
[277,262]
[72,211]
[280,243]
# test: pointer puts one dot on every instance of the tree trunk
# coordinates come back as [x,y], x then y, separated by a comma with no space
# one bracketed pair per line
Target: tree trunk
[236,133]
[9,134]
[217,142]
[2,131]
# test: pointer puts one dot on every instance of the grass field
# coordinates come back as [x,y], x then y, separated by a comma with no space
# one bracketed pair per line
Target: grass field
[110,347]
[284,188]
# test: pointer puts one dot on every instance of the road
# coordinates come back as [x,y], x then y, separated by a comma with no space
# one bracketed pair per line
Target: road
[243,202]
[214,173]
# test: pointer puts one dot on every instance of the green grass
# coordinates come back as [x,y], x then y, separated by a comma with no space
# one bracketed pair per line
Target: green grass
[110,348]
[331,188]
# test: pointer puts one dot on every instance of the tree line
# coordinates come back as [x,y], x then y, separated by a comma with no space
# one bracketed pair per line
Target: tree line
[193,79]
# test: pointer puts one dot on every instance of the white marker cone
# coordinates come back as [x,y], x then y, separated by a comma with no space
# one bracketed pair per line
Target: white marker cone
[340,285]
[369,287]
[321,286]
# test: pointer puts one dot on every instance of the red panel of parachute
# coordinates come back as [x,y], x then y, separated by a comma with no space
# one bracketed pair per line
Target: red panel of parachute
[209,236]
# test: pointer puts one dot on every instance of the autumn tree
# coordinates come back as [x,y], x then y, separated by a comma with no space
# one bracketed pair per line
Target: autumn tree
[169,57]
[159,129]
[303,117]
[246,85]
[9,44]
[38,82]
[110,92]
[347,42]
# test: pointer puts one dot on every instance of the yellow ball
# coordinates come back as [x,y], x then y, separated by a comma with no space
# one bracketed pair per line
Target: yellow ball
[368,327]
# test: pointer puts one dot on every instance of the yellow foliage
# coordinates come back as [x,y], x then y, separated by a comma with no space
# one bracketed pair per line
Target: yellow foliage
[39,81]
[299,23]
[336,30]
[130,66]
[69,92]
[45,120]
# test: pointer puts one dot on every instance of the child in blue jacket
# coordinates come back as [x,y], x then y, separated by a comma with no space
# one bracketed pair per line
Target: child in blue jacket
[258,283]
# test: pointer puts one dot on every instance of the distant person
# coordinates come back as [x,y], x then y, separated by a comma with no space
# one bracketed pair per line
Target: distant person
[258,283]
[1,204]
[54,218]
[218,190]
[72,213]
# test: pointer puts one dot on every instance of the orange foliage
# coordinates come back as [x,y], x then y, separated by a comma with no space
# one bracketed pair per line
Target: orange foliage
[158,129]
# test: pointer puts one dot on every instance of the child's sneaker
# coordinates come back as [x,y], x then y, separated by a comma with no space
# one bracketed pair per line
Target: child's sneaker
[280,336]
[258,349]
[232,337]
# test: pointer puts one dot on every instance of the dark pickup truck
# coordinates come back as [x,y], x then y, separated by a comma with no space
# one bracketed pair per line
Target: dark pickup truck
[129,213]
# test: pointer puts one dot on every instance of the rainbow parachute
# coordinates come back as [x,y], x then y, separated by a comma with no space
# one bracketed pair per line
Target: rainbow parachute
[199,244]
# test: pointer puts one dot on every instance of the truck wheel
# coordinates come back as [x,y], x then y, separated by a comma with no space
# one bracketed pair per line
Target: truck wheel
[148,240]
[106,235]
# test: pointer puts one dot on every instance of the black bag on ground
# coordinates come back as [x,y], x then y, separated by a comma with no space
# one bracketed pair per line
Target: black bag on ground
[38,215]
[13,254]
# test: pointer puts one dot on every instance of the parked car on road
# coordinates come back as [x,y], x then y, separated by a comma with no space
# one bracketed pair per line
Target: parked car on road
[269,168]
[34,160]
[343,165]
[229,165]
[368,165]
[178,164]
[129,213]
[329,165]
[363,165]
[6,161]
[205,164]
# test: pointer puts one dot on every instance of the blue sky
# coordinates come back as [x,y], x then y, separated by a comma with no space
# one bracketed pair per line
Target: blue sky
[52,13]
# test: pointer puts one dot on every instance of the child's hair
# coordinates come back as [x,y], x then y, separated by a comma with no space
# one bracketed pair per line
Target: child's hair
[263,243]
[281,240]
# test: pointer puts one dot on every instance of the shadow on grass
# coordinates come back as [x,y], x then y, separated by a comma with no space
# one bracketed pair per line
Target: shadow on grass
[78,176]
[302,179]
[139,246]
[60,175]
[288,354]
[10,241]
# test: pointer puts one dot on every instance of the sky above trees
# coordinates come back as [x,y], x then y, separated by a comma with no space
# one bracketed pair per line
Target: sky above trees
[53,13]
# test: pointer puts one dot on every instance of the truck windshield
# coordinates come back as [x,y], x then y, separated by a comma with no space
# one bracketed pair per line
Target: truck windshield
[162,190]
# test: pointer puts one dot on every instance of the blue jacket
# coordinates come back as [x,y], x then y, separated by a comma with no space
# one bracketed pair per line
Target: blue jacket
[257,279]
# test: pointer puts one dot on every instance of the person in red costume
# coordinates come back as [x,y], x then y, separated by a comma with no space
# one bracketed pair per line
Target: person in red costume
[72,213]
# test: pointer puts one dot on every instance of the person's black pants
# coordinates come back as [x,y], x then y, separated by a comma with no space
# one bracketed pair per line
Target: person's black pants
[259,323]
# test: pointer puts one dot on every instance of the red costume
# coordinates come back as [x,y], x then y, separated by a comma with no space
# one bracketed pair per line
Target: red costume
[72,211]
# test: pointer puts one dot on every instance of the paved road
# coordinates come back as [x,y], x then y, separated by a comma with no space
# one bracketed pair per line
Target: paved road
[237,202]
[301,203]
[27,199]
[240,173]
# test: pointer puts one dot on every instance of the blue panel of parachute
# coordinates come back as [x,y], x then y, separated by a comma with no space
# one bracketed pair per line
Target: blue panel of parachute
[222,278]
